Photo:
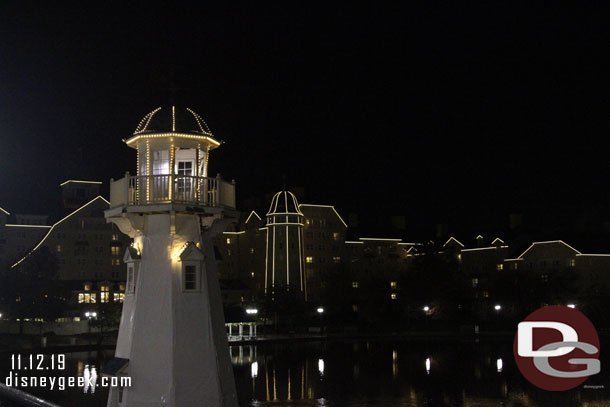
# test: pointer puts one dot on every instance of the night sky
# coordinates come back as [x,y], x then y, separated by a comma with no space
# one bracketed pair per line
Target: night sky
[457,113]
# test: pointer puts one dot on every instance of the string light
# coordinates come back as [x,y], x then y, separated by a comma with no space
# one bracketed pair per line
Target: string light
[207,138]
[548,242]
[79,182]
[327,206]
[380,239]
[27,226]
[483,248]
[255,214]
[455,240]
[57,223]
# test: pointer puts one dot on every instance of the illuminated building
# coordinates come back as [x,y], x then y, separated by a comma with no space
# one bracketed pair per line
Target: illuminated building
[250,251]
[87,250]
[284,247]
[172,340]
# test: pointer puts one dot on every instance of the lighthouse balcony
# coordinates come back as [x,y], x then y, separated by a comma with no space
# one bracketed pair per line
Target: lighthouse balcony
[172,189]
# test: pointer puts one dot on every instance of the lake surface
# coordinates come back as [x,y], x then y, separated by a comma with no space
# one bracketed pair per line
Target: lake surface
[375,373]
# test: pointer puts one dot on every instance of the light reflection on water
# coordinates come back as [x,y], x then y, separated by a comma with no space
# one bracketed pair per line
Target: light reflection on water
[381,373]
[406,373]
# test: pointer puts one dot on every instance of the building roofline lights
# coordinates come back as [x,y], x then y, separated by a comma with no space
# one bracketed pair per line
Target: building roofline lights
[26,226]
[496,239]
[234,233]
[484,248]
[380,239]
[4,211]
[253,213]
[353,242]
[513,259]
[547,242]
[79,182]
[454,239]
[327,206]
[57,223]
[588,254]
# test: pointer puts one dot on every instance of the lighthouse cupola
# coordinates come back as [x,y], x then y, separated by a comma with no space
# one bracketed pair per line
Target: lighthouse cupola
[173,145]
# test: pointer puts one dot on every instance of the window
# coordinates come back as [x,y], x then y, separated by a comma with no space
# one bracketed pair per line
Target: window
[228,240]
[58,248]
[115,262]
[486,294]
[393,296]
[499,266]
[393,284]
[515,266]
[87,287]
[115,250]
[355,284]
[122,287]
[309,259]
[336,235]
[160,162]
[544,278]
[87,298]
[131,279]
[104,296]
[475,282]
[115,237]
[572,263]
[190,277]
[337,259]
[252,250]
[119,297]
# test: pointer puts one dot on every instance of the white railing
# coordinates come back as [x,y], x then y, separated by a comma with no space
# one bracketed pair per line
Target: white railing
[158,189]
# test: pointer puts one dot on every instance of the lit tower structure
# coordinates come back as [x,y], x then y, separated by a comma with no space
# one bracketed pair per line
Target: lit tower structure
[284,245]
[172,340]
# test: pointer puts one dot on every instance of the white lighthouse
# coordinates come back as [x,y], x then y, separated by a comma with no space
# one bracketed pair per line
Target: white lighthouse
[172,340]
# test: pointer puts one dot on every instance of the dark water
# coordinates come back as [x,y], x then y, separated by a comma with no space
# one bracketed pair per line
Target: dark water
[380,373]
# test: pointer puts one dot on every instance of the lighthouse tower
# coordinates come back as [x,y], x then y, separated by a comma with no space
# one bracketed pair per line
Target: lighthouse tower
[172,340]
[284,261]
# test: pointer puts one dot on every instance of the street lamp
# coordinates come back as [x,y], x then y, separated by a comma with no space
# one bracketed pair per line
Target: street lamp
[90,315]
[498,307]
[573,306]
[320,311]
[426,309]
[251,311]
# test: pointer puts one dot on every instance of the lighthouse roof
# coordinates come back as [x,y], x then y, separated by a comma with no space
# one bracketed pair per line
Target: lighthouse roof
[173,121]
[284,202]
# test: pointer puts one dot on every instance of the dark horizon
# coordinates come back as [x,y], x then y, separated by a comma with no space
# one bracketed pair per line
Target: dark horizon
[447,114]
